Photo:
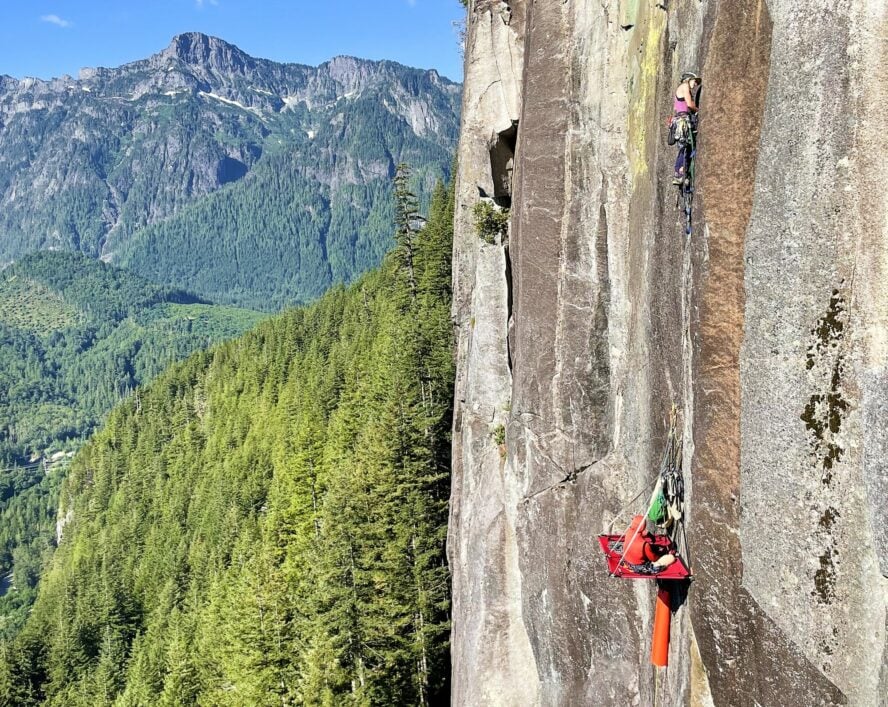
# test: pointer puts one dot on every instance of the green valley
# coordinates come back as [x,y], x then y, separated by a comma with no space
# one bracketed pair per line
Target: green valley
[76,336]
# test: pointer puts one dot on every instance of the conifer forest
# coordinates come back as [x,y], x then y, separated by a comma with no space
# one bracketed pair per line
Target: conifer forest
[264,523]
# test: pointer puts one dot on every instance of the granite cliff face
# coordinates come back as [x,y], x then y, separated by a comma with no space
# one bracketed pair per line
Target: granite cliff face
[577,333]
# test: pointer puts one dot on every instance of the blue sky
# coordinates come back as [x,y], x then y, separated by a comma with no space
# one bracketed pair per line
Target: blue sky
[51,38]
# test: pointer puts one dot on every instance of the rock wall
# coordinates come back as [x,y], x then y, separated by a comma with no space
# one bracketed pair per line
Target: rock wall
[580,328]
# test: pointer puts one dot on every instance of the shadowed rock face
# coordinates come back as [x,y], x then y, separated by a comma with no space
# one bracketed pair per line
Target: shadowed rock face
[766,327]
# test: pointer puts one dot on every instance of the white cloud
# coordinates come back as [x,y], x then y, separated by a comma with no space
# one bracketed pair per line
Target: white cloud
[201,3]
[55,20]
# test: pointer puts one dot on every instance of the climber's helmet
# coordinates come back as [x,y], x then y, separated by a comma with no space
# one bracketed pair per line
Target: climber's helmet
[690,76]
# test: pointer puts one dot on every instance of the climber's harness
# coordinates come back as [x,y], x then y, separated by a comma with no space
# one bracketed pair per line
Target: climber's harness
[682,126]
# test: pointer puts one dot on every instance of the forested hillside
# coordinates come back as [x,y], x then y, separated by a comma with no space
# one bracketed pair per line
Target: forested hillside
[271,239]
[76,336]
[244,180]
[265,523]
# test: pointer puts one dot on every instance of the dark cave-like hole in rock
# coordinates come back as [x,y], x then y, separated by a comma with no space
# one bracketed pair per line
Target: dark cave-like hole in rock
[502,158]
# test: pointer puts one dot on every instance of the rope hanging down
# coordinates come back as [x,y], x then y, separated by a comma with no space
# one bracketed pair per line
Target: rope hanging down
[688,143]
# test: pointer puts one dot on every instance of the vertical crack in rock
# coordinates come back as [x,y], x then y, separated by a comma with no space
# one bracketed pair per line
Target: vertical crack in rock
[748,658]
[502,158]
[808,559]
[510,322]
[600,342]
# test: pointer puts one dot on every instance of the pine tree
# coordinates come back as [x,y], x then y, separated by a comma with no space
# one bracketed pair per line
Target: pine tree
[180,685]
[407,222]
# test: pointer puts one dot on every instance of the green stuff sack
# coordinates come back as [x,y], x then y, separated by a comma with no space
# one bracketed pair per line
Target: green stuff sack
[657,514]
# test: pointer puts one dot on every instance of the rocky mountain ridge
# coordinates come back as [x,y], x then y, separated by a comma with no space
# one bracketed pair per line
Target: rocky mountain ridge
[197,63]
[89,163]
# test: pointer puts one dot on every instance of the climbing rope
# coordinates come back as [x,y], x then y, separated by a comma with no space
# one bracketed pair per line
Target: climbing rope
[685,195]
[629,504]
[689,182]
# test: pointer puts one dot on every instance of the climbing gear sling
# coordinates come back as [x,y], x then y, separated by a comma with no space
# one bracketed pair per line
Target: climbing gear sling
[686,137]
[665,510]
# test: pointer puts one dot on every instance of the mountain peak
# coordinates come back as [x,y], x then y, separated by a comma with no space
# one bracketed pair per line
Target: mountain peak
[201,49]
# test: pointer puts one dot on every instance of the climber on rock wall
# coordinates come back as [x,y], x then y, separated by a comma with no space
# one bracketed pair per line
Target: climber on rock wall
[684,121]
[643,553]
